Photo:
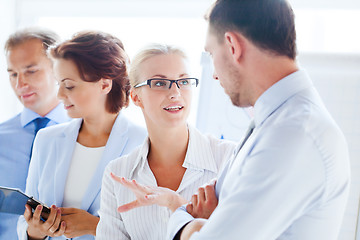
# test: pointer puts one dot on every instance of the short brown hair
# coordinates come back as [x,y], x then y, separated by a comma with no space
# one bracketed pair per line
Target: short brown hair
[99,55]
[269,24]
[47,37]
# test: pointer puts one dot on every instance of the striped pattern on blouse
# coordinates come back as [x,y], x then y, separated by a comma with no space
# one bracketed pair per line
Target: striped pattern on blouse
[205,155]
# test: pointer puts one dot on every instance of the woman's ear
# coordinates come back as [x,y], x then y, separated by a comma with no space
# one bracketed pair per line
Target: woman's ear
[134,95]
[235,44]
[106,85]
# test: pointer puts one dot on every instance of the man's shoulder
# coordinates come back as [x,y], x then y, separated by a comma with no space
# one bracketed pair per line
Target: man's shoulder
[11,124]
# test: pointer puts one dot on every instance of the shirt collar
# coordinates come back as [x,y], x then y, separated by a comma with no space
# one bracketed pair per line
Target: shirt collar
[198,155]
[278,93]
[57,115]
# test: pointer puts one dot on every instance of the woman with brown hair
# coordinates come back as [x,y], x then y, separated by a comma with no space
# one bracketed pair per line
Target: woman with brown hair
[68,160]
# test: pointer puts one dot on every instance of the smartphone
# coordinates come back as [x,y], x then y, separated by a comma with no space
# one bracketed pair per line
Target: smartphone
[13,200]
[33,203]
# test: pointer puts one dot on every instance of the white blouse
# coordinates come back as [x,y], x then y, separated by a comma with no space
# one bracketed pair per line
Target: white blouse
[81,171]
[204,158]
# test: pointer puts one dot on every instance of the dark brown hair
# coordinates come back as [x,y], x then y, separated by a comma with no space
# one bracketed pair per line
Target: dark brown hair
[269,24]
[47,37]
[99,55]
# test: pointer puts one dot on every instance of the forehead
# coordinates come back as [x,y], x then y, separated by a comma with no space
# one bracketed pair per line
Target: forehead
[211,39]
[29,52]
[169,65]
[64,68]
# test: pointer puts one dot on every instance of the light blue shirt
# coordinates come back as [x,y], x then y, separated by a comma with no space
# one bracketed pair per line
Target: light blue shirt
[16,137]
[291,178]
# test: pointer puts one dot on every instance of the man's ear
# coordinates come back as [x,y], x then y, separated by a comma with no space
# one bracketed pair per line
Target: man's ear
[106,85]
[134,95]
[235,44]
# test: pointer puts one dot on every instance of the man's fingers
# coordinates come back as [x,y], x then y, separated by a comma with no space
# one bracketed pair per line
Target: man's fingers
[190,208]
[210,193]
[201,194]
[194,200]
[128,206]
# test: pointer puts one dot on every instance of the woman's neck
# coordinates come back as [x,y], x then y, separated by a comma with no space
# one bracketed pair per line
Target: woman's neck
[166,155]
[168,146]
[94,132]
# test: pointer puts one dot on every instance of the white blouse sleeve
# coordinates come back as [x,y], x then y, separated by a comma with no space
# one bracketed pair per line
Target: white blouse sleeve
[110,225]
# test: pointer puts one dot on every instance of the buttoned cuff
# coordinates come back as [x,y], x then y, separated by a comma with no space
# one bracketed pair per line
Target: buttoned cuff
[177,221]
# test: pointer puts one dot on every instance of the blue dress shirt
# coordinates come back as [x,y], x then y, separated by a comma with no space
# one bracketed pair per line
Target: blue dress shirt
[291,178]
[16,137]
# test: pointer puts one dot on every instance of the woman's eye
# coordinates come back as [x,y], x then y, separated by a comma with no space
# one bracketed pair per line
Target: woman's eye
[160,84]
[184,82]
[69,88]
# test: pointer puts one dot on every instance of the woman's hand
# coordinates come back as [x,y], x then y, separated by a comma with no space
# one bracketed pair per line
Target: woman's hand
[78,222]
[149,195]
[37,229]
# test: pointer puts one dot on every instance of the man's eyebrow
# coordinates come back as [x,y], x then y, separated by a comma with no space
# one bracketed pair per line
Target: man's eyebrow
[26,67]
[30,65]
[66,79]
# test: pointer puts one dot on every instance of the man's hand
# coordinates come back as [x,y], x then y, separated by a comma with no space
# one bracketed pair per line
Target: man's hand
[78,222]
[204,202]
[149,195]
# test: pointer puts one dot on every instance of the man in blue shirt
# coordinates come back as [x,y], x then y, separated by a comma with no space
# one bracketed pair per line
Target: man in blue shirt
[31,77]
[289,178]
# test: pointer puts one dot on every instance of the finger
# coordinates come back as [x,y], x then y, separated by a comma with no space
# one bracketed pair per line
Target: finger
[151,198]
[194,200]
[133,185]
[210,194]
[213,182]
[27,213]
[61,229]
[189,208]
[66,211]
[51,219]
[139,187]
[201,194]
[37,212]
[55,226]
[116,178]
[128,206]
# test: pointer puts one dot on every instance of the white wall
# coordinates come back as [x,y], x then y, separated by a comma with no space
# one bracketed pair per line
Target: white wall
[8,102]
[324,28]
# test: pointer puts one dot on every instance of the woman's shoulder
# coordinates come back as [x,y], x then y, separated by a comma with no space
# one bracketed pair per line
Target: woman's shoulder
[124,165]
[59,129]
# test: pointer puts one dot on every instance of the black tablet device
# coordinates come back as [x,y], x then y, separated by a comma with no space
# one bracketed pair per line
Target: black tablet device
[13,201]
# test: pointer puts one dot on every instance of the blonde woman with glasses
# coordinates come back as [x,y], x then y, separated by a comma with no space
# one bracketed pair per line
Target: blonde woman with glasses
[174,161]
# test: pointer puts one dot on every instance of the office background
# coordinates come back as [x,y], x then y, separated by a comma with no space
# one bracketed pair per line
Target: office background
[328,45]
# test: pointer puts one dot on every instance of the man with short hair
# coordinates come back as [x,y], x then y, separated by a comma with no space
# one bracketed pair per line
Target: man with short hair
[289,178]
[31,77]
